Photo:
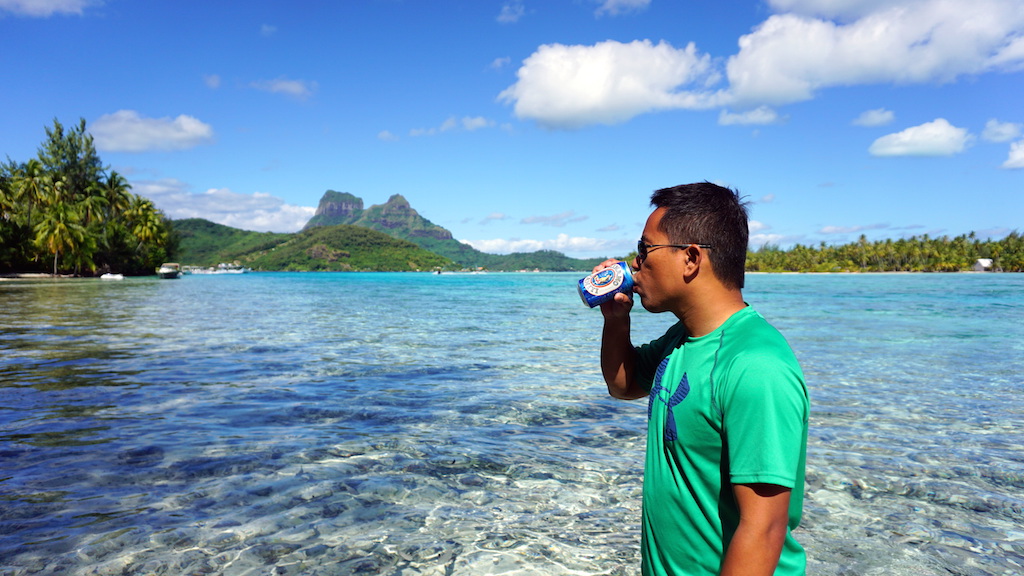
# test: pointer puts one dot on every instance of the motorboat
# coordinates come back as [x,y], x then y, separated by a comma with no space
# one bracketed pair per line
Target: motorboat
[169,271]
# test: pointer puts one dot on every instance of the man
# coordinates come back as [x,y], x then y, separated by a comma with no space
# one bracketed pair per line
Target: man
[727,403]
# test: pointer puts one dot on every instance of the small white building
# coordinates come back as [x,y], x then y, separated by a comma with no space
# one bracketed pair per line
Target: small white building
[983,265]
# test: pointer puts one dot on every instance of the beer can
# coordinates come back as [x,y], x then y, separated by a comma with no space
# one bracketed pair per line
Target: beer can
[603,285]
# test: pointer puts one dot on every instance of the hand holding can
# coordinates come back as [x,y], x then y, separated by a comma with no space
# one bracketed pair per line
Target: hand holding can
[603,285]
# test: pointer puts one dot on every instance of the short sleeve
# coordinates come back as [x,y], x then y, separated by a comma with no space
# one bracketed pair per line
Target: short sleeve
[765,410]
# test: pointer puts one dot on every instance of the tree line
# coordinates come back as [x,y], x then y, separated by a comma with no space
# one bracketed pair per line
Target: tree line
[63,212]
[914,254]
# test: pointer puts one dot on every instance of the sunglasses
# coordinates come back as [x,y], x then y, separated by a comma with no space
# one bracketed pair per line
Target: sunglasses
[642,248]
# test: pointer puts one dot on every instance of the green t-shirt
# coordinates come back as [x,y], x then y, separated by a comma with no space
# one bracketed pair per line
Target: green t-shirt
[726,408]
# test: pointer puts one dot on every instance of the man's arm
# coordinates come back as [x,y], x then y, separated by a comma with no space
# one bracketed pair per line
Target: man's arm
[764,518]
[618,357]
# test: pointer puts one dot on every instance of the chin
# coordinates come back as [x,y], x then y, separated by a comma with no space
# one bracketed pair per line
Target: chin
[649,306]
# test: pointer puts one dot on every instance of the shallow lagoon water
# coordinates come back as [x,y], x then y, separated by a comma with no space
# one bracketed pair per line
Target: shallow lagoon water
[457,424]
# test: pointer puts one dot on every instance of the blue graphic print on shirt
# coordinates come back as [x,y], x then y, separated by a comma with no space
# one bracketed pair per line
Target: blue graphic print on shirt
[671,434]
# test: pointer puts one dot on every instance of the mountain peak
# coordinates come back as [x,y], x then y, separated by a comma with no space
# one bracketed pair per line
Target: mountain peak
[395,217]
[336,208]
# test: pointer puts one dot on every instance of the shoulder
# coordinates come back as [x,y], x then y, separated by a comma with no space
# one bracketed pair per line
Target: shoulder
[755,358]
[751,338]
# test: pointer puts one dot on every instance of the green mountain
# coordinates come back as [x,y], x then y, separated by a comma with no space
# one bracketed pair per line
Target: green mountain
[204,243]
[398,219]
[322,248]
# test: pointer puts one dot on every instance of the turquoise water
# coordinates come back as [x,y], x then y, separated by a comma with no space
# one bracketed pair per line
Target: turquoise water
[457,424]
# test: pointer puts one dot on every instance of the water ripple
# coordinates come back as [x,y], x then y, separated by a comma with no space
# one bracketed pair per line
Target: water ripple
[449,425]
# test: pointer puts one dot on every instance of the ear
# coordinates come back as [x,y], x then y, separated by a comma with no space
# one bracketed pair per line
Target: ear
[692,260]
[693,255]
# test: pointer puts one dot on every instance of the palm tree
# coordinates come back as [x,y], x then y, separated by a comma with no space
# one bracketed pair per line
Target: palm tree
[8,203]
[115,190]
[30,183]
[92,209]
[144,221]
[59,229]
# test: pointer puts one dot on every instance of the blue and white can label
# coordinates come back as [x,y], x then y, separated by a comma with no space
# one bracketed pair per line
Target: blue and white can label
[603,285]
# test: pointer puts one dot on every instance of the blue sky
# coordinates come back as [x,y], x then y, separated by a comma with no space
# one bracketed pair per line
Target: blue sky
[521,125]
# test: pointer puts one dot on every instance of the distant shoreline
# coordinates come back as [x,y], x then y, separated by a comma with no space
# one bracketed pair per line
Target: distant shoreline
[36,276]
[7,276]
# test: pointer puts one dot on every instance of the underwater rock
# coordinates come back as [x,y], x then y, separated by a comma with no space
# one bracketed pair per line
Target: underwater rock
[144,456]
[273,552]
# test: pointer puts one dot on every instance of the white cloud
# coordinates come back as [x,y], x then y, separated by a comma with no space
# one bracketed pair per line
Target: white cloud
[557,220]
[756,226]
[500,63]
[511,12]
[610,82]
[387,136]
[127,131]
[1015,161]
[502,246]
[300,89]
[805,47]
[851,229]
[258,211]
[760,116]
[45,8]
[792,55]
[267,30]
[758,240]
[467,123]
[936,138]
[876,117]
[996,131]
[476,123]
[571,245]
[616,7]
[212,81]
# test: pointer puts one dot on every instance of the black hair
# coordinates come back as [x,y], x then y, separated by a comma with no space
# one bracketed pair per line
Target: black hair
[706,213]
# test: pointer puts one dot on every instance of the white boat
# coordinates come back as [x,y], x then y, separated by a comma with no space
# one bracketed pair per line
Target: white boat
[169,271]
[109,276]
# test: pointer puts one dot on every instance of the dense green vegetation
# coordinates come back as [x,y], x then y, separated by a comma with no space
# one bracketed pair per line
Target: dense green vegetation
[204,243]
[914,254]
[64,212]
[323,248]
[346,248]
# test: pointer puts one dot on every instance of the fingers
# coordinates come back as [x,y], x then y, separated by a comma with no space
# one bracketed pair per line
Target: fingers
[605,264]
[617,307]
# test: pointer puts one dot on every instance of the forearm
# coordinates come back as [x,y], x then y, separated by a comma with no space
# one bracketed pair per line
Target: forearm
[753,553]
[618,359]
[757,543]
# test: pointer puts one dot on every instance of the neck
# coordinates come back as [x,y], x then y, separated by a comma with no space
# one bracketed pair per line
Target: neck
[709,308]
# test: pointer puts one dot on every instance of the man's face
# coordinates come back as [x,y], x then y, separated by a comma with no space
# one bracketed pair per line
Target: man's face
[660,276]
